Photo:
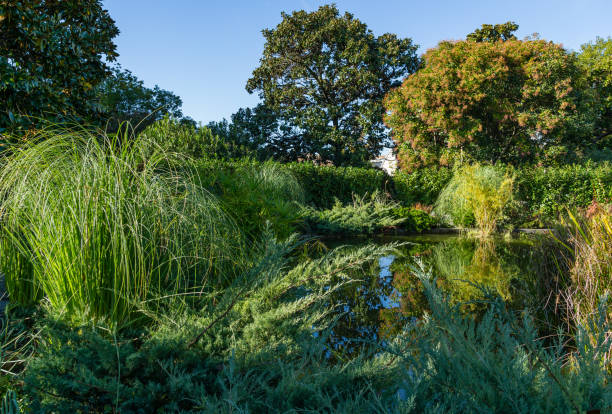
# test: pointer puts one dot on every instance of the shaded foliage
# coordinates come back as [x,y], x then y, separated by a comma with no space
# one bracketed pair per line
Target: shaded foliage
[54,54]
[323,184]
[494,33]
[265,133]
[188,140]
[595,59]
[365,215]
[124,98]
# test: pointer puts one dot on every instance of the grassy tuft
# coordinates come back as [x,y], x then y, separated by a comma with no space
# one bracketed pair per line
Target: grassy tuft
[99,225]
[477,193]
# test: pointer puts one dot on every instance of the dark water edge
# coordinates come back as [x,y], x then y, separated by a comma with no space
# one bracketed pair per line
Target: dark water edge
[520,270]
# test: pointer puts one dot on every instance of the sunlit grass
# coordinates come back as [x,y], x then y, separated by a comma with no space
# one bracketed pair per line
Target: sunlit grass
[98,225]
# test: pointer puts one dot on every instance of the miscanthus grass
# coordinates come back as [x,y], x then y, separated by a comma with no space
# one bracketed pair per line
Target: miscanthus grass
[98,225]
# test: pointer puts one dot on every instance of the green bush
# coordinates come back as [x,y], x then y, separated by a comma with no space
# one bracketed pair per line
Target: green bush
[256,195]
[365,215]
[260,356]
[188,140]
[545,192]
[421,186]
[476,191]
[324,184]
[263,357]
[415,220]
[456,363]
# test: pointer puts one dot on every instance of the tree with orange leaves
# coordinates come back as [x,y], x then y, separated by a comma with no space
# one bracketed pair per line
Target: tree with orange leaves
[493,101]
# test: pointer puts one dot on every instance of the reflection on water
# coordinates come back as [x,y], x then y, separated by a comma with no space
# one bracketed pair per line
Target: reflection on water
[392,295]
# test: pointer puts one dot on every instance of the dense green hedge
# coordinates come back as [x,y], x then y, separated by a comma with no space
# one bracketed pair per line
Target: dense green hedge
[540,192]
[546,191]
[421,186]
[323,184]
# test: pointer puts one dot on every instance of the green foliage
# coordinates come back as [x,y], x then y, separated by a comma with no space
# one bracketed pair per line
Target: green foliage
[190,141]
[494,33]
[488,102]
[261,356]
[54,53]
[544,192]
[478,192]
[256,195]
[10,404]
[415,220]
[100,228]
[456,363]
[326,74]
[264,132]
[540,193]
[420,186]
[591,273]
[124,98]
[595,59]
[323,184]
[365,215]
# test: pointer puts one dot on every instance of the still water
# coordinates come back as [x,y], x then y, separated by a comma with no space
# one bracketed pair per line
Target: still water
[519,270]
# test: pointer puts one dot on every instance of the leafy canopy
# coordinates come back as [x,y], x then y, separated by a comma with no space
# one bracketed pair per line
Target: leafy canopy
[54,53]
[494,33]
[262,130]
[123,97]
[596,61]
[327,74]
[487,101]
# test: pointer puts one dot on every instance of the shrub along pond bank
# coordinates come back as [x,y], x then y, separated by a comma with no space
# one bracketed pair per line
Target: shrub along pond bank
[540,194]
[141,281]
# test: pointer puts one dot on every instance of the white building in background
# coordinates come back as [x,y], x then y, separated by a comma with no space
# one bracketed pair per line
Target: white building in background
[386,162]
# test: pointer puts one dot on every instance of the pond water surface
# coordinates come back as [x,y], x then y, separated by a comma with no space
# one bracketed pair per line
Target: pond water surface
[520,270]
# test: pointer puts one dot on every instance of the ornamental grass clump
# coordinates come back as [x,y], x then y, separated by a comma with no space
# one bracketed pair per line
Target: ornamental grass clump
[477,193]
[100,226]
[590,286]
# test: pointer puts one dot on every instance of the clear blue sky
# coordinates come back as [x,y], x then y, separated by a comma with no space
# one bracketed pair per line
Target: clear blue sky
[205,50]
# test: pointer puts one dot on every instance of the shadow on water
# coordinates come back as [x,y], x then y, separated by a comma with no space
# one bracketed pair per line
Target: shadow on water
[522,271]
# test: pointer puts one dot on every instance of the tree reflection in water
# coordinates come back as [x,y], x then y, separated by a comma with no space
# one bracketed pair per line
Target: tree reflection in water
[390,295]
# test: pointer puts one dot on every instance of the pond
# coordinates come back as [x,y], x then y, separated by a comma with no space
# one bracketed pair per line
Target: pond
[521,271]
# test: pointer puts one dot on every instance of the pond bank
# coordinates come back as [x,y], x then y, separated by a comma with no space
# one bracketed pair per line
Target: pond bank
[439,230]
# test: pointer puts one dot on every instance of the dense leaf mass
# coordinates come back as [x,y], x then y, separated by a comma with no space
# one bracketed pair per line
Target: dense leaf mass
[489,101]
[54,53]
[123,97]
[327,73]
[494,33]
[596,61]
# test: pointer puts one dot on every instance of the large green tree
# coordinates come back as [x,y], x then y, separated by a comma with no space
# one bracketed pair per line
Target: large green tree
[326,74]
[53,54]
[509,101]
[123,97]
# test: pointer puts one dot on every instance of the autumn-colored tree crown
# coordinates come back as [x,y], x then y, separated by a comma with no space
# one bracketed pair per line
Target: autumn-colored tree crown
[498,101]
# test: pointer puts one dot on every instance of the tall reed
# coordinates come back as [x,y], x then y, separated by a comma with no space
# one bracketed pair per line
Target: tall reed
[99,225]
